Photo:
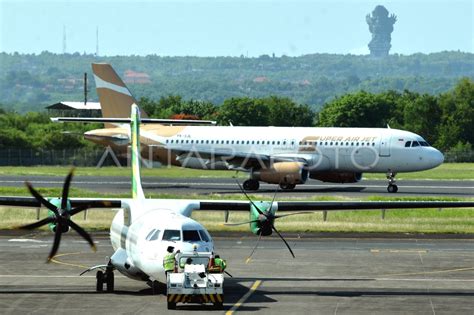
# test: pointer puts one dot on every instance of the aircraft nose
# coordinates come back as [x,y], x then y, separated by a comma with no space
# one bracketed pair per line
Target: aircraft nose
[437,158]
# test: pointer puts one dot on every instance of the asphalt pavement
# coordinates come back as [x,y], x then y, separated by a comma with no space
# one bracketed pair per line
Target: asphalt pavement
[328,276]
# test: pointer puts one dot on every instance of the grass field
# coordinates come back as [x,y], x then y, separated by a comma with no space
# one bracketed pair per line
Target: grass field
[415,221]
[447,171]
[404,221]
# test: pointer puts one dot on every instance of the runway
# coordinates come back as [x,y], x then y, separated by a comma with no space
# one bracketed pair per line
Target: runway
[206,186]
[329,276]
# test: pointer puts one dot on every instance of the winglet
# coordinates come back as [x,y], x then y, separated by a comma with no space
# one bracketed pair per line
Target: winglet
[137,190]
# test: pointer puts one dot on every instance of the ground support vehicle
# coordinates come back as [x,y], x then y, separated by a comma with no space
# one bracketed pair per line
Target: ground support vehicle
[193,283]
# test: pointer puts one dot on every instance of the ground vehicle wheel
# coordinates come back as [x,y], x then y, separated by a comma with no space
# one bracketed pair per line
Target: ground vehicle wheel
[251,184]
[287,186]
[110,281]
[392,188]
[171,305]
[219,305]
[100,281]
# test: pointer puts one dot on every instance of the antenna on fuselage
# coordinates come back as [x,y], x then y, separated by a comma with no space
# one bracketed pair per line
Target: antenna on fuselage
[388,126]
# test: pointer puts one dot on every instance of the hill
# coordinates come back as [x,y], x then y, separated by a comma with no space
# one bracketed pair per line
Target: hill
[29,82]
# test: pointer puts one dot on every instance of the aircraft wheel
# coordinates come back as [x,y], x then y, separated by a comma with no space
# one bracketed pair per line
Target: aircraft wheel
[251,184]
[110,281]
[392,188]
[171,305]
[287,186]
[100,281]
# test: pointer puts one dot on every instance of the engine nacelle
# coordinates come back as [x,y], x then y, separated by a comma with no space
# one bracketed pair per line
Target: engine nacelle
[283,173]
[337,177]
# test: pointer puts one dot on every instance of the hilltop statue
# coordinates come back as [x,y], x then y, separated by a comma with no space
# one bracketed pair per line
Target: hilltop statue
[381,27]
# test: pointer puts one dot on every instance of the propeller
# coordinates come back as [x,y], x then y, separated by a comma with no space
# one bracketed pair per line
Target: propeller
[60,216]
[266,220]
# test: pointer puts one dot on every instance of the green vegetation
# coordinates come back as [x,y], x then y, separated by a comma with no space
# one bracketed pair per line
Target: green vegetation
[446,171]
[409,221]
[31,81]
[445,120]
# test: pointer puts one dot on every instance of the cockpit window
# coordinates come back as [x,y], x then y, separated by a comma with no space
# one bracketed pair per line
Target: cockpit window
[153,236]
[171,235]
[191,236]
[204,236]
[150,234]
[408,144]
[424,144]
[415,144]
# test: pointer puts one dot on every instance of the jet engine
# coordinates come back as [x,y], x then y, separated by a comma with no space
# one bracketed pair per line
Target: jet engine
[337,177]
[282,173]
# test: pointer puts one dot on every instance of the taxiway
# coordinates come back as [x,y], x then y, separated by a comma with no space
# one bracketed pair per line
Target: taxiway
[329,276]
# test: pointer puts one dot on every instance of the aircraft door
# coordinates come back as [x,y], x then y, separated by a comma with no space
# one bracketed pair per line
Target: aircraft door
[384,149]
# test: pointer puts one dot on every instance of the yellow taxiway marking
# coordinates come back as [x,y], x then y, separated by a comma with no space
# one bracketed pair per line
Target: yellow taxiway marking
[244,298]
[54,260]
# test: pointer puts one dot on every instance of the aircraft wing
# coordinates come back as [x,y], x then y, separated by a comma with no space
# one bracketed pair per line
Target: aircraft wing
[336,205]
[30,202]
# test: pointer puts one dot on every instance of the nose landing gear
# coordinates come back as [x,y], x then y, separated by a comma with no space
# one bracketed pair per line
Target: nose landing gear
[392,187]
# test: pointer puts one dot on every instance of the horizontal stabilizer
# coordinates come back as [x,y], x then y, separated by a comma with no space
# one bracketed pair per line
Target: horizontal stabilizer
[127,121]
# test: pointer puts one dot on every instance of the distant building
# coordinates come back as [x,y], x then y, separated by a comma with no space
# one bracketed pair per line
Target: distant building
[133,77]
[75,109]
[260,79]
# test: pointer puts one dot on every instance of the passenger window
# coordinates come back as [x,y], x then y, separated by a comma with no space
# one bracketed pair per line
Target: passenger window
[171,235]
[191,236]
[415,144]
[408,144]
[204,236]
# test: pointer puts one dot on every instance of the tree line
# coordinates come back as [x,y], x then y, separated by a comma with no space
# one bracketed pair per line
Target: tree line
[445,120]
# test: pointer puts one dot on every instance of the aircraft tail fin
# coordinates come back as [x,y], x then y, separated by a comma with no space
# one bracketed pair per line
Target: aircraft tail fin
[137,190]
[114,96]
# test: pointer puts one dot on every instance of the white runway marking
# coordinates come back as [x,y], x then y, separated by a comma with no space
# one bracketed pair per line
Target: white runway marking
[25,240]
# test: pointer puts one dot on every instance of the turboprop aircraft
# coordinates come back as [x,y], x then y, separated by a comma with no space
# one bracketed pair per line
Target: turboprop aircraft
[143,228]
[286,156]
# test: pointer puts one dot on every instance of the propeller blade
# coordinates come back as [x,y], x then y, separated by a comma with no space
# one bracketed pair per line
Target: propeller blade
[241,223]
[36,224]
[295,213]
[253,204]
[82,233]
[40,198]
[289,248]
[66,185]
[78,209]
[254,248]
[57,240]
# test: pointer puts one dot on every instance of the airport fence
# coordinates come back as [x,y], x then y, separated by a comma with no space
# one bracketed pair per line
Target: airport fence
[78,157]
[106,157]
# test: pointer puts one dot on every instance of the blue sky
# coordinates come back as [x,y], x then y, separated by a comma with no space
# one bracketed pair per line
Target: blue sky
[230,28]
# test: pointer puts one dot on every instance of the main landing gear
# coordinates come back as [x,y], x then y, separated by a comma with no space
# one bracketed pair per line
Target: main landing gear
[287,186]
[106,277]
[392,187]
[251,184]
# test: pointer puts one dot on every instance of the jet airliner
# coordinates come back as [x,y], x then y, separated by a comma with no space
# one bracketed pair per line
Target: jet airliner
[286,156]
